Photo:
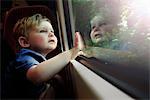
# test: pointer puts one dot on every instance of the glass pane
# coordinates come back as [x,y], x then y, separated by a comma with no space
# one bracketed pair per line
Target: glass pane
[114,25]
[116,32]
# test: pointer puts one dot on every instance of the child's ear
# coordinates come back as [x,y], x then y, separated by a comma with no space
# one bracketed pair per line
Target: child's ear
[23,42]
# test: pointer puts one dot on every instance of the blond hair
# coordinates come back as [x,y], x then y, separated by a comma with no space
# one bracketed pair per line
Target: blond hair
[24,25]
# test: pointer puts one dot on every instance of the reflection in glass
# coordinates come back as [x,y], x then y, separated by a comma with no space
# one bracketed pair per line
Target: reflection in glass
[117,32]
[113,24]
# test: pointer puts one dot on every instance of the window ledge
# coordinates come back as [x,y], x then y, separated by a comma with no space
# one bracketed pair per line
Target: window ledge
[90,85]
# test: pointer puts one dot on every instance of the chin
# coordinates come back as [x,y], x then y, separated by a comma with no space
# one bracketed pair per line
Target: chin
[98,40]
[52,48]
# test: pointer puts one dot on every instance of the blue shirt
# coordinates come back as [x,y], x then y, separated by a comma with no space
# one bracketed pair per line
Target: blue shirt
[17,85]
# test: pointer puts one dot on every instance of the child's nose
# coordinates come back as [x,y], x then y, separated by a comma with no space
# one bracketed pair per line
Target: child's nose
[97,28]
[51,34]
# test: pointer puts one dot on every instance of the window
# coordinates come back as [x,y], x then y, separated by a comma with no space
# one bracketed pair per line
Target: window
[117,37]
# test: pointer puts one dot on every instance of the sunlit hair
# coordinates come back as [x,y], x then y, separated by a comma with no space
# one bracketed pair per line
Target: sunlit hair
[24,25]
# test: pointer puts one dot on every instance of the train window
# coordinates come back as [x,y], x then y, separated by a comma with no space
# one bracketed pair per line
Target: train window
[117,38]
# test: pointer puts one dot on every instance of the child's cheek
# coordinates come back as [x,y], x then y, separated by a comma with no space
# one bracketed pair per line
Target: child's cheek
[39,40]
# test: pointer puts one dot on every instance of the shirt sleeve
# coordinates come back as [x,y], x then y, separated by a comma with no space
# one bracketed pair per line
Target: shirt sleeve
[24,63]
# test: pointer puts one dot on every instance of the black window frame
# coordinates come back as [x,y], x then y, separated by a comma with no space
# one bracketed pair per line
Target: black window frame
[117,77]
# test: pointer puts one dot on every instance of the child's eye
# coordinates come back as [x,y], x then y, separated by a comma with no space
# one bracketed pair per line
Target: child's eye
[101,24]
[93,27]
[41,31]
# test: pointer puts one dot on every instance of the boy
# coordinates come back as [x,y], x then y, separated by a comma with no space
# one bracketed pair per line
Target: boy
[108,47]
[102,32]
[27,74]
[103,47]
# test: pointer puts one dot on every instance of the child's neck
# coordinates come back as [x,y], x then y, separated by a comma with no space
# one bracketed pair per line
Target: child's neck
[44,53]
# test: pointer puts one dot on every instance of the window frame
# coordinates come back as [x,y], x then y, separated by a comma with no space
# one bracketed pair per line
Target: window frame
[114,76]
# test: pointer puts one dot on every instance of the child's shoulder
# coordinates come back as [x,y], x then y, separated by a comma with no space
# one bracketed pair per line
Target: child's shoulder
[29,55]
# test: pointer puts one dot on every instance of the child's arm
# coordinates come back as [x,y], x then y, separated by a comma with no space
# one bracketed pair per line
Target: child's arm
[45,70]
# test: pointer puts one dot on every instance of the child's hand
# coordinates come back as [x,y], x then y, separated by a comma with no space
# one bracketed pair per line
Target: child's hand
[79,44]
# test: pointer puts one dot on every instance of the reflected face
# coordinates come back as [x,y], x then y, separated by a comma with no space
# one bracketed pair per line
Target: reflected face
[42,38]
[98,32]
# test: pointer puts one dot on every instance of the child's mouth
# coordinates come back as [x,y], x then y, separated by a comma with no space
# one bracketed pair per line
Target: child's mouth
[98,35]
[51,41]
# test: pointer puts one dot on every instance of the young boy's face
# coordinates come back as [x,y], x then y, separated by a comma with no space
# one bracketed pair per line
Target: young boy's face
[98,32]
[42,38]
